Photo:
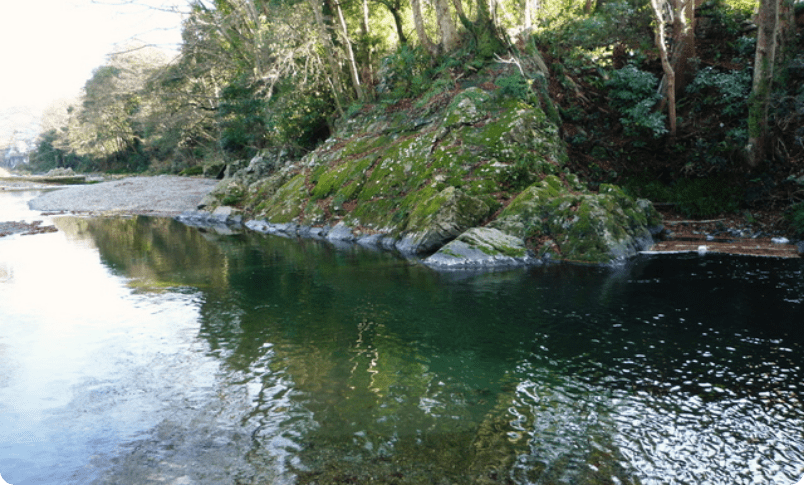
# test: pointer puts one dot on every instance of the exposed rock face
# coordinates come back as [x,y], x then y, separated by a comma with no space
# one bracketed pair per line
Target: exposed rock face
[417,179]
[482,247]
[441,218]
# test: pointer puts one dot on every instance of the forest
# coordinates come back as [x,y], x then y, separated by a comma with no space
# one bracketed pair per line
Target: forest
[696,105]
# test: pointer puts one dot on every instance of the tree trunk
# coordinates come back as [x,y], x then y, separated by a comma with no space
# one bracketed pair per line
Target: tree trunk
[326,40]
[446,26]
[669,75]
[787,28]
[350,53]
[365,30]
[683,45]
[400,32]
[418,22]
[458,8]
[684,42]
[758,101]
[527,16]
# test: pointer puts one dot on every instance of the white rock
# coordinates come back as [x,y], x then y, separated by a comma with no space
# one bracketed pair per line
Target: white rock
[781,240]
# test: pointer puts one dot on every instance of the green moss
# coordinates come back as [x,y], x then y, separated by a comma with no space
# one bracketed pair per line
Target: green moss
[287,203]
[380,213]
[192,171]
[361,145]
[426,202]
[466,108]
[403,168]
[329,181]
[314,215]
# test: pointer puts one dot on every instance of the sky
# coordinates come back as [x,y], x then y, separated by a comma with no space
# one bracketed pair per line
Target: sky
[49,48]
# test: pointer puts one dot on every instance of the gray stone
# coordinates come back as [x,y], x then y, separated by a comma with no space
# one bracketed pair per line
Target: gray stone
[440,219]
[374,240]
[341,232]
[482,247]
[258,226]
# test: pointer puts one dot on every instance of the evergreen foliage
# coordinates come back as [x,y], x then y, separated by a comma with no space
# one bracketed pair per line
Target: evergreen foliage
[633,93]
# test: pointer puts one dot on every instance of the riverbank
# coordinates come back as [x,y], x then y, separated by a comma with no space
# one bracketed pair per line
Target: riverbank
[162,195]
[170,196]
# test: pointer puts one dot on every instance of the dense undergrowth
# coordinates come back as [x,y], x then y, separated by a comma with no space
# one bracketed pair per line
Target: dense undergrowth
[607,92]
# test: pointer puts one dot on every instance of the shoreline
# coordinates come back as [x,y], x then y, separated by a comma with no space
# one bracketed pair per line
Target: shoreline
[179,197]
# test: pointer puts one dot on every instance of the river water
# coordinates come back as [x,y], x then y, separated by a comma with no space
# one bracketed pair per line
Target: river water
[142,351]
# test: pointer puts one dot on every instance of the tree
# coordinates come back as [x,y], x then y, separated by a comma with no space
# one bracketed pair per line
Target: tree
[421,33]
[764,61]
[347,47]
[446,26]
[680,15]
[395,9]
[108,124]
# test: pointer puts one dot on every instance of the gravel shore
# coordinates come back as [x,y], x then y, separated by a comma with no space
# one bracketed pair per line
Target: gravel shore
[160,195]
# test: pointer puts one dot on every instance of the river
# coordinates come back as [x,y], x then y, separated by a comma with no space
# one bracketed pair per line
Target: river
[142,351]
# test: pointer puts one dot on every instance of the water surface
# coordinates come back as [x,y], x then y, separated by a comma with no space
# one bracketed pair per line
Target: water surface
[139,350]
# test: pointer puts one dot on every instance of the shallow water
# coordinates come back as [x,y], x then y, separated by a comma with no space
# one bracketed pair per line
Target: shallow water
[143,351]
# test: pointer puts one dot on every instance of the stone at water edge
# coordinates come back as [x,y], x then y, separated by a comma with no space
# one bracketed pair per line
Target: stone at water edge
[481,247]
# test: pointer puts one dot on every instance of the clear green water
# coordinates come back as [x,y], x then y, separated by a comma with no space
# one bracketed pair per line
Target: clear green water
[143,351]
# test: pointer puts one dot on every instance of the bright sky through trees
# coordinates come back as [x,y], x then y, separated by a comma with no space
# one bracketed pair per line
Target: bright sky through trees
[49,48]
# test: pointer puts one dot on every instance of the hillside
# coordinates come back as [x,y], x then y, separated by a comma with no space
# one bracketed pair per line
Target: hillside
[477,172]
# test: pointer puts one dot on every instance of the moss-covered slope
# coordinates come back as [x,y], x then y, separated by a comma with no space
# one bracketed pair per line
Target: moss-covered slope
[417,179]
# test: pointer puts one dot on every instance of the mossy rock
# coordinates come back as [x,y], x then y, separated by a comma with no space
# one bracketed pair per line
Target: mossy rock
[481,247]
[213,168]
[425,179]
[579,226]
[286,203]
[440,217]
[466,108]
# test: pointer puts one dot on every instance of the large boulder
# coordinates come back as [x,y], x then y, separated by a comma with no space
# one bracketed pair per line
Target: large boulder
[573,225]
[439,219]
[481,247]
[474,166]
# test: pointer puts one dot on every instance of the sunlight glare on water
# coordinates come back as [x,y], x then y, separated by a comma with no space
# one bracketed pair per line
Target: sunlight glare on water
[139,350]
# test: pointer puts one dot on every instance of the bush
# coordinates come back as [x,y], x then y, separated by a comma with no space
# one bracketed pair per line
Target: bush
[796,217]
[633,93]
[698,197]
[406,73]
[727,91]
[515,86]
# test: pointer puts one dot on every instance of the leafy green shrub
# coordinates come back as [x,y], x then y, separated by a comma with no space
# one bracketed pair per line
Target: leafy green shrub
[706,197]
[296,119]
[192,171]
[515,86]
[241,118]
[745,46]
[633,93]
[727,91]
[698,197]
[796,217]
[407,72]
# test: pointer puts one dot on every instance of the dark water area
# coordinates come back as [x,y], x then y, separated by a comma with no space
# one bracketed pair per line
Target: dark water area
[138,350]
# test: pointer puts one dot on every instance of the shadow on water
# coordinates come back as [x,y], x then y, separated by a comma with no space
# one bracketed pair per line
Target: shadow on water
[346,365]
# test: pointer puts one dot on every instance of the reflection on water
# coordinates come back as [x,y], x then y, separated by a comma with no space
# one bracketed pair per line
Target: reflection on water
[173,355]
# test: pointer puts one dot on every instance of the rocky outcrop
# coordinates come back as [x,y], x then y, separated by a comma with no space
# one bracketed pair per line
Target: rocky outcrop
[474,176]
